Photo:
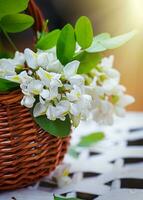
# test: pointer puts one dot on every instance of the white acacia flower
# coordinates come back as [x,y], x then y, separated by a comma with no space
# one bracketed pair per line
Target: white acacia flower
[86,106]
[31,58]
[35,60]
[6,68]
[107,61]
[49,78]
[51,81]
[28,101]
[42,59]
[51,112]
[53,92]
[80,109]
[108,85]
[70,69]
[111,73]
[25,80]
[70,73]
[123,101]
[13,78]
[77,80]
[55,66]
[35,87]
[74,94]
[107,94]
[45,94]
[40,109]
[95,91]
[45,59]
[106,76]
[103,112]
[24,77]
[75,109]
[62,109]
[59,111]
[19,59]
[61,175]
[82,106]
[48,60]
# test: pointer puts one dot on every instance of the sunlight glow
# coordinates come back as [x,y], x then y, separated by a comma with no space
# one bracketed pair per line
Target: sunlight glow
[136,9]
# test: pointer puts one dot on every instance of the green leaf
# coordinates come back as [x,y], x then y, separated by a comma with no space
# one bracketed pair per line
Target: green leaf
[85,141]
[118,41]
[84,32]
[6,85]
[88,61]
[97,46]
[16,22]
[66,44]
[104,41]
[12,6]
[48,40]
[102,36]
[91,139]
[4,54]
[65,198]
[57,128]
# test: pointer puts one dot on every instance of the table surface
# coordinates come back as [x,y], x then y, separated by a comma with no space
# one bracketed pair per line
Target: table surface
[110,170]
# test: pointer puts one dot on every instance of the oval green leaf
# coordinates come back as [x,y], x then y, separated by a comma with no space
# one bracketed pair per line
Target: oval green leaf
[66,44]
[84,32]
[118,41]
[57,128]
[6,85]
[104,41]
[91,139]
[16,22]
[48,40]
[97,45]
[88,61]
[12,6]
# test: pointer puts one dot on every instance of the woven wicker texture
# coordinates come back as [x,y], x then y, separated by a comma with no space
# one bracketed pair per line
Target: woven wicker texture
[27,153]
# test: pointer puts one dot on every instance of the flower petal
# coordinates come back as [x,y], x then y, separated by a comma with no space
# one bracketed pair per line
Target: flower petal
[40,109]
[31,58]
[28,101]
[71,69]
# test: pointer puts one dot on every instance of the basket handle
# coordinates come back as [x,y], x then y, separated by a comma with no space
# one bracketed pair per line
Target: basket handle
[36,13]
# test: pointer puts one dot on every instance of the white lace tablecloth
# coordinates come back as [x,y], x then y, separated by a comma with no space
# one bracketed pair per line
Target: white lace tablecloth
[111,170]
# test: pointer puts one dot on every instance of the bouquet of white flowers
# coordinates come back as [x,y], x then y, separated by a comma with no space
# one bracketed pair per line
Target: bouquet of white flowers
[67,79]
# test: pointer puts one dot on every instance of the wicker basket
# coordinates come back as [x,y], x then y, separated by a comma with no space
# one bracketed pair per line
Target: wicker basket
[27,152]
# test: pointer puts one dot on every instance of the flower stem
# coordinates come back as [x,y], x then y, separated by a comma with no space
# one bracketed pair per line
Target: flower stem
[10,41]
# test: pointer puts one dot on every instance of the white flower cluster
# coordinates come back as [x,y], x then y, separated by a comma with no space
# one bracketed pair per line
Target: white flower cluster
[108,96]
[57,91]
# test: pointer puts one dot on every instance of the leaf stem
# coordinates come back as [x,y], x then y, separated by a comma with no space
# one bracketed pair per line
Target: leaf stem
[10,40]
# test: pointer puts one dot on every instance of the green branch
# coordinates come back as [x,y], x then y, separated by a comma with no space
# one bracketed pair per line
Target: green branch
[10,40]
